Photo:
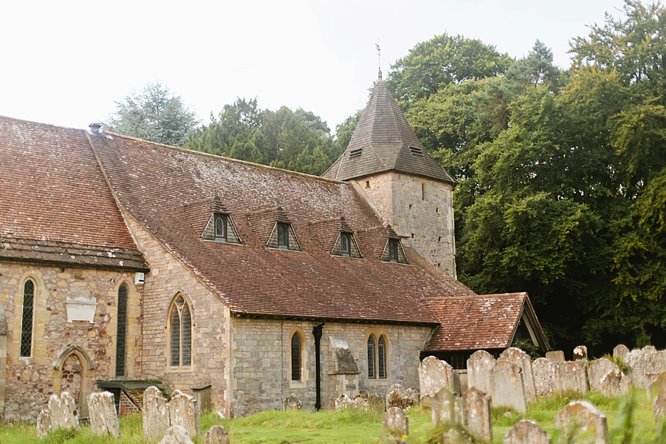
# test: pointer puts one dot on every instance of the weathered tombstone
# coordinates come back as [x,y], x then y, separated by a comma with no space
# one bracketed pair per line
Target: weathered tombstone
[581,422]
[580,353]
[443,407]
[176,434]
[403,398]
[62,412]
[646,364]
[545,376]
[396,426]
[507,387]
[43,423]
[217,435]
[526,431]
[597,370]
[102,413]
[571,376]
[555,356]
[620,351]
[614,384]
[658,394]
[291,402]
[183,412]
[434,375]
[343,401]
[457,435]
[479,367]
[522,360]
[155,414]
[477,416]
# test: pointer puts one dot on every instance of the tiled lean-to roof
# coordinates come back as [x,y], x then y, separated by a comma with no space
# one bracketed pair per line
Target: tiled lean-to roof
[384,141]
[55,205]
[170,191]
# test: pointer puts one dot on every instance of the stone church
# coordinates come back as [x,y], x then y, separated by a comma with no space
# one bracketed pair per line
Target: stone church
[125,263]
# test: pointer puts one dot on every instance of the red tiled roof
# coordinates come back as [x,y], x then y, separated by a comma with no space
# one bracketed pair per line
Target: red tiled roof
[53,195]
[170,191]
[476,322]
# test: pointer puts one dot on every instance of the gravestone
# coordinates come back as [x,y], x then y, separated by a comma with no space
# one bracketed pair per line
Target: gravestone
[43,423]
[443,407]
[102,414]
[395,426]
[155,414]
[646,364]
[522,360]
[571,375]
[620,351]
[62,411]
[291,402]
[403,398]
[477,416]
[581,422]
[658,395]
[545,376]
[217,435]
[555,356]
[597,370]
[343,402]
[183,412]
[176,434]
[526,431]
[580,353]
[479,367]
[507,387]
[614,384]
[434,375]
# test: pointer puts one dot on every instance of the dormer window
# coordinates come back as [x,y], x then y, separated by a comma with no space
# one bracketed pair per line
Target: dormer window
[393,251]
[345,245]
[283,235]
[221,227]
[393,245]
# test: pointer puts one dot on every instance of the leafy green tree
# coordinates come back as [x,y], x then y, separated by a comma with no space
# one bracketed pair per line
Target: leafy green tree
[154,114]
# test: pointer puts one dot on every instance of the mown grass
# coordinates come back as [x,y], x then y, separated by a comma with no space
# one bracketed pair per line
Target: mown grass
[630,420]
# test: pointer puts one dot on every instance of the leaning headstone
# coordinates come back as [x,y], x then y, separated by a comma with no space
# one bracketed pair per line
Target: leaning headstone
[658,394]
[545,376]
[571,376]
[620,351]
[102,413]
[155,414]
[507,387]
[443,407]
[43,423]
[291,402]
[479,367]
[477,416]
[183,412]
[63,412]
[434,375]
[581,422]
[396,426]
[597,370]
[580,353]
[217,435]
[555,355]
[403,398]
[526,431]
[176,435]
[522,360]
[614,384]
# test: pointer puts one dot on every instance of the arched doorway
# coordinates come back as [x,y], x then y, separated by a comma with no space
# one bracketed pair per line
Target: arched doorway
[73,374]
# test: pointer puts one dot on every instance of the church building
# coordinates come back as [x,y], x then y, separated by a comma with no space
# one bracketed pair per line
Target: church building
[126,263]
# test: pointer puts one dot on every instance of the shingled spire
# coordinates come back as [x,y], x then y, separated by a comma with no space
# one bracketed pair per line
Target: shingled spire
[383,141]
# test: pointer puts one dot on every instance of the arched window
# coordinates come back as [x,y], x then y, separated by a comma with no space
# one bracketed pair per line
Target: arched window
[27,316]
[180,322]
[381,357]
[371,357]
[296,356]
[121,330]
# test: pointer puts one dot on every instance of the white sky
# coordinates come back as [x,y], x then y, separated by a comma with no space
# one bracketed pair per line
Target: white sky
[65,62]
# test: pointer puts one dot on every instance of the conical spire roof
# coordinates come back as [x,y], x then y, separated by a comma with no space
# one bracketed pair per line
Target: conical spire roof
[383,141]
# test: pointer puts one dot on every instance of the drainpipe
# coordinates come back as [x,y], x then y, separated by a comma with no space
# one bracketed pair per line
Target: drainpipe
[317,331]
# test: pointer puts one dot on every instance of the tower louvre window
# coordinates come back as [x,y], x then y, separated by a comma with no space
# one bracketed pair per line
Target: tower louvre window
[355,153]
[416,151]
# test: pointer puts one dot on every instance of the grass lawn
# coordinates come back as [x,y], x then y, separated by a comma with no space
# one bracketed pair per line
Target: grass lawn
[628,423]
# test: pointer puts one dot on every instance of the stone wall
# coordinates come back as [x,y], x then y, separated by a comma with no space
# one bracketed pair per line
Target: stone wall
[261,362]
[419,209]
[167,278]
[64,351]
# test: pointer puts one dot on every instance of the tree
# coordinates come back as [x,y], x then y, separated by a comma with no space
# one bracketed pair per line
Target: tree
[154,114]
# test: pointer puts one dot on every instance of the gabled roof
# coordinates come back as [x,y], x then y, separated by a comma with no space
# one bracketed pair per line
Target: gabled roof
[170,191]
[383,141]
[55,205]
[482,322]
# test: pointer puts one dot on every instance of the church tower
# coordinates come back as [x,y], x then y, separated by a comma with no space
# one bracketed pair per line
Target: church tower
[392,170]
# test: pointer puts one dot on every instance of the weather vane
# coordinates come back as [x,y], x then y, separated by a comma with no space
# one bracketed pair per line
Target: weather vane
[379,59]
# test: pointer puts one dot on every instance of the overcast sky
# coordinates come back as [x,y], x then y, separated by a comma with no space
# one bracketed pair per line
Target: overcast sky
[66,62]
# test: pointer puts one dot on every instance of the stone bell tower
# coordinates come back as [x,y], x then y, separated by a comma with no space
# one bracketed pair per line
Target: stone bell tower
[392,170]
